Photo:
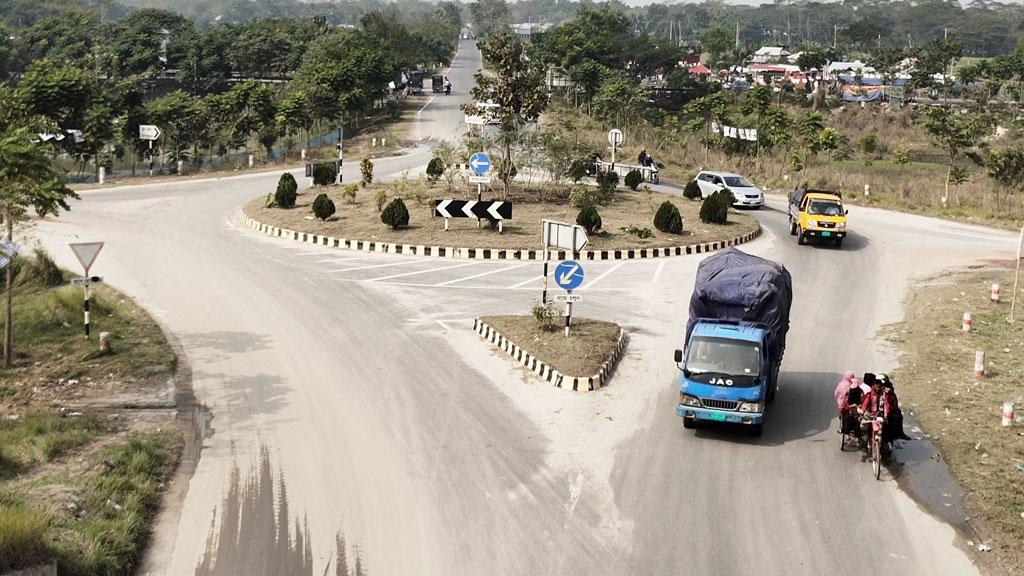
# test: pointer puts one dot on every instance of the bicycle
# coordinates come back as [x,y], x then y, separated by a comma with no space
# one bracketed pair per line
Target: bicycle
[875,444]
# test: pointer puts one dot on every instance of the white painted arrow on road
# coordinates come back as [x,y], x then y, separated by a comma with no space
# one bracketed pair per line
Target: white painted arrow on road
[468,209]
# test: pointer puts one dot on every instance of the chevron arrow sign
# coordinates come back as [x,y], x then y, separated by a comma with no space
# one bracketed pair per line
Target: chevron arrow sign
[473,209]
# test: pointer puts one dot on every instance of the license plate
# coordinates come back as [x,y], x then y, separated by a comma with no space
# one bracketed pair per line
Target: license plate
[826,234]
[717,416]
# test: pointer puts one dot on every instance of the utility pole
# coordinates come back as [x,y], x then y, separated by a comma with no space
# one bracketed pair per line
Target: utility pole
[737,34]
[835,35]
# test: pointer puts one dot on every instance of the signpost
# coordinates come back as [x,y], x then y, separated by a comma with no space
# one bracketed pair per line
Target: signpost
[495,210]
[151,133]
[8,250]
[560,235]
[1016,275]
[86,253]
[480,164]
[568,275]
[615,139]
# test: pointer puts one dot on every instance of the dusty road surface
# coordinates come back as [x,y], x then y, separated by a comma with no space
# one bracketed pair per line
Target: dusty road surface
[354,412]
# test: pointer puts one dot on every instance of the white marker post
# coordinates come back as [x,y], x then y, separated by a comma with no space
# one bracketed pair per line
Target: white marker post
[1016,275]
[86,253]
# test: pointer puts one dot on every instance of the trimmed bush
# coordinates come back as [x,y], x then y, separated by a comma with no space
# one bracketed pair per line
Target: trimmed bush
[287,191]
[633,179]
[379,199]
[692,190]
[589,219]
[366,171]
[583,196]
[324,174]
[668,219]
[349,193]
[323,207]
[396,214]
[435,169]
[577,170]
[608,179]
[715,208]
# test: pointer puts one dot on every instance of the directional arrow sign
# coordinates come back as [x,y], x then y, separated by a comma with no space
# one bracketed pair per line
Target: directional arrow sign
[569,275]
[86,253]
[567,236]
[479,163]
[148,132]
[8,250]
[473,209]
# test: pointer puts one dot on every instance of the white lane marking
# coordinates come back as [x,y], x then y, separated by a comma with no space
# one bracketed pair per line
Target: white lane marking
[415,272]
[443,325]
[425,105]
[482,274]
[373,266]
[471,287]
[304,253]
[525,282]
[657,273]
[341,259]
[602,276]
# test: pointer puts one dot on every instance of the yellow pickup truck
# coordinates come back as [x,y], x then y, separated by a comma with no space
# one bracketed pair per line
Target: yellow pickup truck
[817,214]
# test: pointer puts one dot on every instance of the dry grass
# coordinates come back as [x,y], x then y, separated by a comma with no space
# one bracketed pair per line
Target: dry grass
[589,345]
[936,380]
[361,221]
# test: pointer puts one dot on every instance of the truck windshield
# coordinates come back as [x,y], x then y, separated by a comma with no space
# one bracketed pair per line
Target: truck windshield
[722,356]
[825,208]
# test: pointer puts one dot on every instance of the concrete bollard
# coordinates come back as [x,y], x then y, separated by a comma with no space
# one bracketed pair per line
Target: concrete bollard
[995,293]
[374,145]
[966,327]
[867,190]
[383,141]
[979,363]
[303,153]
[102,177]
[1007,414]
[181,167]
[104,341]
[252,160]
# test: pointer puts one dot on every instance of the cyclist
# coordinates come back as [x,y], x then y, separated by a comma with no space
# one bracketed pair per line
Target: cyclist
[849,396]
[876,404]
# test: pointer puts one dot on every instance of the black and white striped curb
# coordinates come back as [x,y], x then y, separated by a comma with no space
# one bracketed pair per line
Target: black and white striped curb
[493,253]
[549,374]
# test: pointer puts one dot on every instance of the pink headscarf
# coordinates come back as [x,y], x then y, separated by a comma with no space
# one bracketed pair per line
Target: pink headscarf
[845,383]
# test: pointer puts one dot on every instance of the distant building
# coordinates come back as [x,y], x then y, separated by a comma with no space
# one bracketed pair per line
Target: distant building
[854,68]
[769,54]
[524,31]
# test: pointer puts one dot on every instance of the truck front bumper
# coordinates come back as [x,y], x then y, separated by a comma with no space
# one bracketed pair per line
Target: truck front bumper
[829,234]
[709,415]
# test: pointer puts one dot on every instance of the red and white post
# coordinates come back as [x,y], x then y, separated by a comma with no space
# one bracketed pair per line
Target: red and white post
[979,363]
[966,327]
[995,293]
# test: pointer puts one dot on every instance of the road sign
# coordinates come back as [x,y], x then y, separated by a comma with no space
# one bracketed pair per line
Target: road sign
[486,179]
[479,163]
[8,250]
[148,132]
[569,275]
[86,281]
[473,209]
[567,236]
[568,298]
[86,253]
[615,136]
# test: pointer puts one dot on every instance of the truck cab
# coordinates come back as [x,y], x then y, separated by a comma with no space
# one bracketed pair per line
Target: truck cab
[817,214]
[728,375]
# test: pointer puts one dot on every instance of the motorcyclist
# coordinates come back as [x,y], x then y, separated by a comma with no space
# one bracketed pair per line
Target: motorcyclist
[447,86]
[644,159]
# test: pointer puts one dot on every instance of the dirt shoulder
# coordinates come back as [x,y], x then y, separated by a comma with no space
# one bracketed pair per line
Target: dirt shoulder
[88,440]
[358,218]
[589,345]
[962,412]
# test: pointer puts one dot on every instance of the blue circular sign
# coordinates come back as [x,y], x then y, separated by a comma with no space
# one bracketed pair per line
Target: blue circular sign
[569,275]
[480,163]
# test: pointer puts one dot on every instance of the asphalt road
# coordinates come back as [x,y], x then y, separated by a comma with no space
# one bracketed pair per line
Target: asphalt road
[350,399]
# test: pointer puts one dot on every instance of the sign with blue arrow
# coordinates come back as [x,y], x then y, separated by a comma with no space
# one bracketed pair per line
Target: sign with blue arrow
[569,275]
[480,163]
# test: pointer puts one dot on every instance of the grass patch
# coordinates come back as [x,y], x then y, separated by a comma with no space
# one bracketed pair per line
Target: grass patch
[359,220]
[936,379]
[589,345]
[40,437]
[22,537]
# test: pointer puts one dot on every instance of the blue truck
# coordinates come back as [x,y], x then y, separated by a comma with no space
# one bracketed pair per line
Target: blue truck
[735,339]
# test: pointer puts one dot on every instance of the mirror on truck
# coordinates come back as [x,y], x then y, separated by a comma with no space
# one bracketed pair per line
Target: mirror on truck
[679,356]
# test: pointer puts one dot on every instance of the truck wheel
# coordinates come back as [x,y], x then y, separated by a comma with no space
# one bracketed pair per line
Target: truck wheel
[839,242]
[770,396]
[757,430]
[689,423]
[792,227]
[800,238]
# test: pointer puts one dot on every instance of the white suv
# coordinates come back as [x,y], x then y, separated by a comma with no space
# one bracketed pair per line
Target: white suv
[745,193]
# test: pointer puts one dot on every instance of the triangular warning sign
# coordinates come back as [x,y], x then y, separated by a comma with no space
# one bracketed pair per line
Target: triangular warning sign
[86,253]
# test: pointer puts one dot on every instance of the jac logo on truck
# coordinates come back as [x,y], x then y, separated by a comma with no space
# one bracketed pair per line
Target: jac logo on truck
[721,382]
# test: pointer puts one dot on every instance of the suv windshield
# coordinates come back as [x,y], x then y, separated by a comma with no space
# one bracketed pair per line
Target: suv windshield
[825,208]
[737,182]
[721,356]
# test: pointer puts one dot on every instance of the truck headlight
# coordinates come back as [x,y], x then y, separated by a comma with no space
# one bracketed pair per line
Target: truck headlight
[750,406]
[812,224]
[687,400]
[841,226]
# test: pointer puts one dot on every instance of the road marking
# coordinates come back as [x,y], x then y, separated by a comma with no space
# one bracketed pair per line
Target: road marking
[482,274]
[340,259]
[527,281]
[368,267]
[415,272]
[601,277]
[425,105]
[304,253]
[657,273]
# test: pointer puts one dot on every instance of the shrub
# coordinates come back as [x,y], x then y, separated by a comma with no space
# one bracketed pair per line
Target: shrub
[668,219]
[287,191]
[608,179]
[577,170]
[323,207]
[633,179]
[380,198]
[435,169]
[589,219]
[715,209]
[349,193]
[396,214]
[583,196]
[43,271]
[641,233]
[692,190]
[545,315]
[366,170]
[324,174]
